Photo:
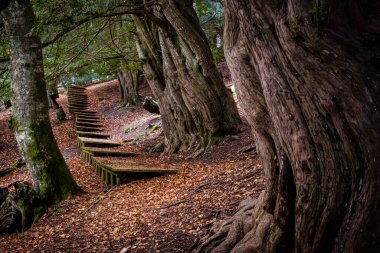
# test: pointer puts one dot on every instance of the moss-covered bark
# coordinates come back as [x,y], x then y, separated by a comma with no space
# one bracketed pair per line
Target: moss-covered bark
[52,181]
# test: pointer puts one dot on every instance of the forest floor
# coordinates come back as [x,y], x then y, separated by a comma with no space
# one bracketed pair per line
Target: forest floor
[166,213]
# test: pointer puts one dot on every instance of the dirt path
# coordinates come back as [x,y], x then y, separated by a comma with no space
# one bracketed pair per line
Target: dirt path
[158,214]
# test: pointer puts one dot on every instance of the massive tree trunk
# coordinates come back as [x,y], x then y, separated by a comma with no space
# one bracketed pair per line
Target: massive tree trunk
[195,105]
[30,119]
[307,77]
[129,82]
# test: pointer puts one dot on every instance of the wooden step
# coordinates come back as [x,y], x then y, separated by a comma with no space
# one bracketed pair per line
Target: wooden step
[77,87]
[77,95]
[114,152]
[73,94]
[87,124]
[87,117]
[78,108]
[89,129]
[92,135]
[95,142]
[79,105]
[80,101]
[85,113]
[87,120]
[111,168]
[127,165]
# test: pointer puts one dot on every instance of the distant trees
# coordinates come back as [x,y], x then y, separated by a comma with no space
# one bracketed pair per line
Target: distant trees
[52,180]
[129,83]
[307,77]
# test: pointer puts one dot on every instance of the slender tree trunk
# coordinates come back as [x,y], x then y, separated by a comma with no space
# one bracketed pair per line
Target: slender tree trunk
[307,76]
[30,119]
[129,82]
[195,105]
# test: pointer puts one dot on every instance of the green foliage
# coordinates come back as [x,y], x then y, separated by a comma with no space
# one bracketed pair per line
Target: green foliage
[319,14]
[210,14]
[295,25]
[218,54]
[128,129]
[61,115]
[5,89]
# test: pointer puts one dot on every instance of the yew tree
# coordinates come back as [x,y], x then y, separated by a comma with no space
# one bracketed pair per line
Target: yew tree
[195,105]
[52,180]
[307,77]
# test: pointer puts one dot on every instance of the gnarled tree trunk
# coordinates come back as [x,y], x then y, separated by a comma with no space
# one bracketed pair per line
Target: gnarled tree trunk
[129,82]
[30,119]
[307,76]
[195,105]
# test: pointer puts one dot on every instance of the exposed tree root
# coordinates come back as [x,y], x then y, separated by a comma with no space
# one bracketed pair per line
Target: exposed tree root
[246,231]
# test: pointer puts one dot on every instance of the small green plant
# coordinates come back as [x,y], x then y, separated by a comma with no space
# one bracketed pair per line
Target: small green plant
[295,26]
[319,14]
[61,115]
[155,127]
[129,129]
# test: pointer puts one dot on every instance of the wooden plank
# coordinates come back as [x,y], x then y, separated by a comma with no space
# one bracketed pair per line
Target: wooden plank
[79,101]
[80,107]
[87,117]
[87,112]
[87,120]
[89,129]
[91,142]
[88,124]
[73,86]
[93,135]
[77,95]
[109,152]
[116,165]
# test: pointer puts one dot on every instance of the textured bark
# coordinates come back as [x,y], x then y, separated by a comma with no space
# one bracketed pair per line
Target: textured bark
[129,82]
[195,105]
[30,119]
[306,75]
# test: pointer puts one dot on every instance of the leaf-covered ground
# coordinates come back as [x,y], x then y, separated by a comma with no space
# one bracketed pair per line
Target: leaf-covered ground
[146,214]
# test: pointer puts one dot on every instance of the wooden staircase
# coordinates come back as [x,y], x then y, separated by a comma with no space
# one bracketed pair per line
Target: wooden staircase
[108,159]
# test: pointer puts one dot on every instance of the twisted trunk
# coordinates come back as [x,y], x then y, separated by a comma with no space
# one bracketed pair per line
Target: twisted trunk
[306,75]
[195,105]
[30,119]
[129,82]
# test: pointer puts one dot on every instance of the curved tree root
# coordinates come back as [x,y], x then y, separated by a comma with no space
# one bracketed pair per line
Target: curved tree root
[251,229]
[20,209]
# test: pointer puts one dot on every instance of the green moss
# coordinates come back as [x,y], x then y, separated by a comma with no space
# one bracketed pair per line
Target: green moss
[129,129]
[295,26]
[56,182]
[273,231]
[13,124]
[155,127]
[214,140]
[160,147]
[61,115]
[200,135]
[319,14]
